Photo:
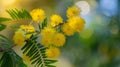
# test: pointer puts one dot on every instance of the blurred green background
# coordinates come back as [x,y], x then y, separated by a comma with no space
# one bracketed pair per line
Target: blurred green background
[98,45]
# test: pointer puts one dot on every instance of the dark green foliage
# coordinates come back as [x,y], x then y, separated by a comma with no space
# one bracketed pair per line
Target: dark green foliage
[2,27]
[5,42]
[19,14]
[36,52]
[11,59]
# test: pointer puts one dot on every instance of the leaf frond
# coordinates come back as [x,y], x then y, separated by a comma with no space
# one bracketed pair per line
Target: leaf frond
[36,52]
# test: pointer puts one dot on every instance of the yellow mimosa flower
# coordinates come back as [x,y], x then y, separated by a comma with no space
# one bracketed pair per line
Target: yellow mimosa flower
[52,52]
[19,38]
[77,23]
[38,15]
[67,29]
[56,20]
[59,39]
[47,35]
[73,11]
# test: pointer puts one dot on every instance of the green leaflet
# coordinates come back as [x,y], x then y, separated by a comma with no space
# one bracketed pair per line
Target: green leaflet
[36,52]
[2,19]
[11,59]
[2,27]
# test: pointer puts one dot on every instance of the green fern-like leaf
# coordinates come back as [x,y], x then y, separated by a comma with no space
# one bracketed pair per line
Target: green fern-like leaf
[19,14]
[36,52]
[11,59]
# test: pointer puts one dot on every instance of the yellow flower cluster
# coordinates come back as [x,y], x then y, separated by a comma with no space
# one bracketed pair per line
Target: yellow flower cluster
[52,39]
[49,36]
[74,22]
[38,15]
[56,20]
[73,11]
[19,38]
[52,36]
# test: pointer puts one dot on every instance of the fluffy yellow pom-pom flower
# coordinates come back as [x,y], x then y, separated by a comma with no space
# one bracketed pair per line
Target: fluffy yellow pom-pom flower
[52,52]
[67,29]
[56,20]
[59,39]
[19,38]
[38,15]
[46,35]
[77,23]
[73,11]
[27,28]
[46,41]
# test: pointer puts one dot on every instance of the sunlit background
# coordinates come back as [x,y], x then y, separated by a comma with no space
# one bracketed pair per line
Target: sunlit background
[98,45]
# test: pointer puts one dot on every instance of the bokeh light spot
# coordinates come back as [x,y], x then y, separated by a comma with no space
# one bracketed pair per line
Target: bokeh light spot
[84,6]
